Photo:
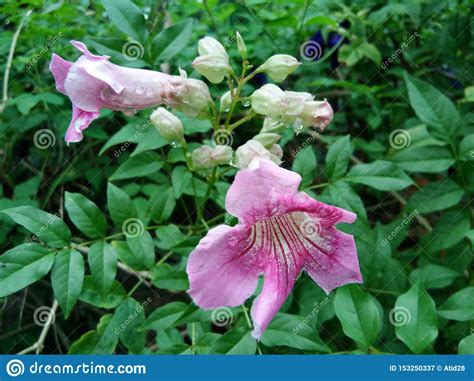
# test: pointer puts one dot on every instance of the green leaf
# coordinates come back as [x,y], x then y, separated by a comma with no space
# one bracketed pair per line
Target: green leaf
[289,330]
[167,277]
[162,203]
[415,320]
[128,318]
[434,276]
[67,278]
[466,148]
[120,205]
[381,175]
[102,341]
[140,165]
[435,196]
[236,342]
[45,226]
[90,294]
[127,17]
[22,266]
[358,314]
[85,215]
[143,249]
[337,158]
[165,317]
[181,179]
[370,51]
[449,230]
[466,346]
[459,306]
[341,194]
[305,165]
[102,260]
[432,107]
[171,41]
[424,159]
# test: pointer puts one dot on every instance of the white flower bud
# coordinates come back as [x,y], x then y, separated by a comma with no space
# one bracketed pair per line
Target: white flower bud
[222,154]
[251,150]
[202,159]
[192,97]
[276,151]
[225,102]
[297,102]
[269,100]
[241,47]
[317,114]
[279,66]
[212,66]
[209,45]
[267,139]
[168,125]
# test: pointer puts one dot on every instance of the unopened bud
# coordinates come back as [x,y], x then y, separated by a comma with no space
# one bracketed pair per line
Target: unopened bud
[271,125]
[241,47]
[222,154]
[267,139]
[202,159]
[168,125]
[251,150]
[212,66]
[317,114]
[269,100]
[276,151]
[192,97]
[279,66]
[226,100]
[297,102]
[209,45]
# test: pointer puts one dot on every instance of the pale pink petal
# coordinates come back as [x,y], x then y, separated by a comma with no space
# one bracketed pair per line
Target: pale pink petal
[60,68]
[261,192]
[222,269]
[335,263]
[80,121]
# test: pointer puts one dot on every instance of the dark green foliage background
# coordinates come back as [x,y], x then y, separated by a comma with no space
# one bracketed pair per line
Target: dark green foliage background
[413,200]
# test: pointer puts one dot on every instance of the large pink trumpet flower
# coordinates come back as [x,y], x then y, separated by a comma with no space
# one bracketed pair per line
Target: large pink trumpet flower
[93,83]
[280,232]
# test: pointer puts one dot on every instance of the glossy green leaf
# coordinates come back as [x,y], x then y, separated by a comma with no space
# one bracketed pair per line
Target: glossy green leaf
[466,346]
[102,260]
[143,249]
[337,158]
[85,215]
[171,41]
[415,320]
[67,278]
[381,175]
[140,165]
[459,306]
[45,226]
[120,205]
[434,276]
[236,342]
[435,196]
[305,165]
[127,17]
[128,318]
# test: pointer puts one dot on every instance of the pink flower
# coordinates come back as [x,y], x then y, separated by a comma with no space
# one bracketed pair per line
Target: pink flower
[280,232]
[93,83]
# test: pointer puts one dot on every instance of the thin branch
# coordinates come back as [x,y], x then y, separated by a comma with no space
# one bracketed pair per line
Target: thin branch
[4,101]
[38,346]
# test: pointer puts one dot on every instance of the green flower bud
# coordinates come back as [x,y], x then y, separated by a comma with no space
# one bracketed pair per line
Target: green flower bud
[168,125]
[202,159]
[279,66]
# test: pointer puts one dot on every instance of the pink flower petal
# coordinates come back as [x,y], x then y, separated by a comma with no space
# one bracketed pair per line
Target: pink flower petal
[59,67]
[222,269]
[257,192]
[80,121]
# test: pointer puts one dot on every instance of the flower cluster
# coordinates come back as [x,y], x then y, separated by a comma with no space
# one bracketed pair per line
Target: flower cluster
[281,231]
